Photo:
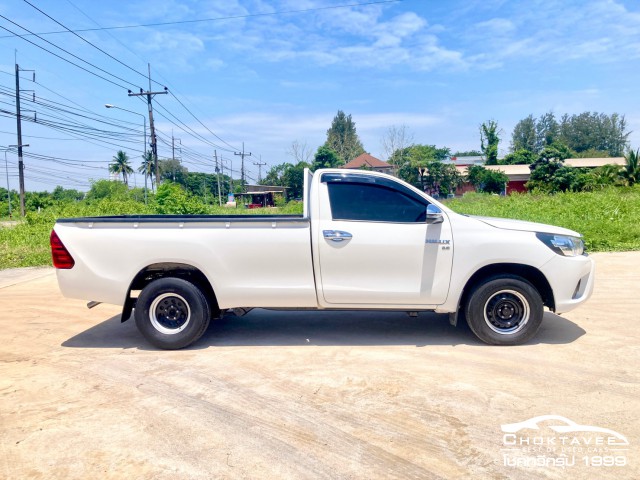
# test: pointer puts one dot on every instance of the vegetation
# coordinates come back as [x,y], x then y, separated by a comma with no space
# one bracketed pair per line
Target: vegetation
[518,157]
[602,203]
[121,166]
[343,139]
[608,218]
[485,180]
[468,153]
[27,243]
[489,140]
[589,134]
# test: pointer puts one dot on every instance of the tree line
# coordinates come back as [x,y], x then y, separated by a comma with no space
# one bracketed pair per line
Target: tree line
[543,143]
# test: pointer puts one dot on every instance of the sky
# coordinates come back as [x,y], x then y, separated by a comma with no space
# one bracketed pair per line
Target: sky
[268,73]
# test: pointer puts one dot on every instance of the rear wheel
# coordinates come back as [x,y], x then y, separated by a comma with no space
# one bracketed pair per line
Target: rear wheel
[172,313]
[504,311]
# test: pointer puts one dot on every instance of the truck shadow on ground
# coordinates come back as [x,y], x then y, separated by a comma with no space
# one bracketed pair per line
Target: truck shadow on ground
[334,328]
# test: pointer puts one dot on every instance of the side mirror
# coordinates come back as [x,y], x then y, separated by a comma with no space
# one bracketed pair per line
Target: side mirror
[434,214]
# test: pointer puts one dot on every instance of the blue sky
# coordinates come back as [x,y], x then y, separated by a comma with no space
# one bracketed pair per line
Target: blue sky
[269,78]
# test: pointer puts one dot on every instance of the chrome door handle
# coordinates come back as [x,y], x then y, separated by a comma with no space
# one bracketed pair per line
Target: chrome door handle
[337,235]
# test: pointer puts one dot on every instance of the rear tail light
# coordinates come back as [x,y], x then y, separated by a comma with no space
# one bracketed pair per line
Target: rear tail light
[59,253]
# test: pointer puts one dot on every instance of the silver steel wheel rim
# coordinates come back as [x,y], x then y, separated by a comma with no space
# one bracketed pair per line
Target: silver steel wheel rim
[170,313]
[506,312]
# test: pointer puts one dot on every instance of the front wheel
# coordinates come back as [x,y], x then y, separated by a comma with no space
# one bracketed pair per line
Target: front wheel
[172,313]
[504,311]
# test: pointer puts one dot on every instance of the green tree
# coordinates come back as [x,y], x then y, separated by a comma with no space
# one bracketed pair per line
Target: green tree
[557,150]
[202,185]
[439,178]
[549,174]
[630,173]
[107,189]
[409,160]
[343,139]
[609,174]
[173,199]
[171,169]
[597,131]
[524,135]
[519,157]
[35,201]
[120,166]
[326,158]
[486,180]
[468,153]
[147,167]
[61,194]
[274,175]
[592,153]
[293,179]
[489,140]
[289,176]
[547,131]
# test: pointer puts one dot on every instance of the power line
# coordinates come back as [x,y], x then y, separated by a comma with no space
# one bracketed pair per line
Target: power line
[215,19]
[127,66]
[198,120]
[85,40]
[173,89]
[62,58]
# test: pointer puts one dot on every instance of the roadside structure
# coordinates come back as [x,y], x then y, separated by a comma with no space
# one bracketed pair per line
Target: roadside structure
[519,175]
[369,162]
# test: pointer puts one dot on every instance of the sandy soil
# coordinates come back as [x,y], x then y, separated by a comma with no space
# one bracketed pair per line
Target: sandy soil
[313,395]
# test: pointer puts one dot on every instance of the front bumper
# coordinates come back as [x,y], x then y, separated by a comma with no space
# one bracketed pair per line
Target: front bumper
[571,279]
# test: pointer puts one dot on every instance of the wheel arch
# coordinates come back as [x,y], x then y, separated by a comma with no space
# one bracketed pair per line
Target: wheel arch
[168,270]
[498,270]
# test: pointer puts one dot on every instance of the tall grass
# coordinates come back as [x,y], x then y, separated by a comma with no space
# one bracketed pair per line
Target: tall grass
[609,219]
[27,243]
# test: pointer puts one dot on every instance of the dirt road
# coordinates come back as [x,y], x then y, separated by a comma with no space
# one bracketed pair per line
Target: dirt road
[316,395]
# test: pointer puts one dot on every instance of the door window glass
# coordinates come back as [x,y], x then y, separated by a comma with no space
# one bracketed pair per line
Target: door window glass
[374,203]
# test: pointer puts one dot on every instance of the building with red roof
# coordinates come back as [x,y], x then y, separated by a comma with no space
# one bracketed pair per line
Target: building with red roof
[369,162]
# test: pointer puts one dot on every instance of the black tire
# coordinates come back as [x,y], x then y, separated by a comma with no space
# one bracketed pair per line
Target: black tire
[504,311]
[172,313]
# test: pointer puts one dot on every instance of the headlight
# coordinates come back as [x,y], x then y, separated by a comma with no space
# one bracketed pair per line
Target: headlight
[562,244]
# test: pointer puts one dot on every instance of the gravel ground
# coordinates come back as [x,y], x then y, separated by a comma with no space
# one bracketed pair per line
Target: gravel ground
[316,394]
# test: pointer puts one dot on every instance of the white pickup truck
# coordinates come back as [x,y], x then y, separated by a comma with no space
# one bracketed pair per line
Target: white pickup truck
[365,241]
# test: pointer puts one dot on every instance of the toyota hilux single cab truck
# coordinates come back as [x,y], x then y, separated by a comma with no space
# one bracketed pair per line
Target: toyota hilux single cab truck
[365,241]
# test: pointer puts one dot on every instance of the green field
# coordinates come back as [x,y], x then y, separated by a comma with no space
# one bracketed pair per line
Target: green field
[609,219]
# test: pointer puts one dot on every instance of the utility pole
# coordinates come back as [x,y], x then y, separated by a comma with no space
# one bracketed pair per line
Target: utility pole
[215,156]
[173,153]
[259,165]
[20,145]
[6,166]
[242,154]
[154,144]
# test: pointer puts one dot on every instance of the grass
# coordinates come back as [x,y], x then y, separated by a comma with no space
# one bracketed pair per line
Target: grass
[27,243]
[609,219]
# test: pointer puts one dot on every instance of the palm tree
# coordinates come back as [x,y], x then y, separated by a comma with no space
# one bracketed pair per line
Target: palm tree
[147,167]
[609,174]
[631,171]
[121,166]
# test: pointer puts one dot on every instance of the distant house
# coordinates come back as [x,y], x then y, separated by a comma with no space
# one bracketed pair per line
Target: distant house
[258,196]
[519,174]
[369,162]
